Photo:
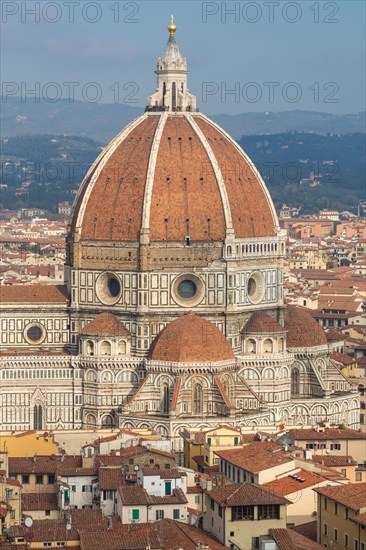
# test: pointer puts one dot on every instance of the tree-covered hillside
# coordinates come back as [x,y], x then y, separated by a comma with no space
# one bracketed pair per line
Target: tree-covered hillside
[310,170]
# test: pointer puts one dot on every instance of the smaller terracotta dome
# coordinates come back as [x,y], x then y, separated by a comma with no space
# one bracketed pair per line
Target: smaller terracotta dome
[303,330]
[191,339]
[105,324]
[261,322]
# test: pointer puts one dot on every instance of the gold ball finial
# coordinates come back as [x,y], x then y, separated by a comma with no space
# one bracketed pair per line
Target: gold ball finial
[172,27]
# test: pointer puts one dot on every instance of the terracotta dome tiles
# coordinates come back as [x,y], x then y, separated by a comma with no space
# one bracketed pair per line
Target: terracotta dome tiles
[105,324]
[252,216]
[191,339]
[114,208]
[261,322]
[186,200]
[186,197]
[303,330]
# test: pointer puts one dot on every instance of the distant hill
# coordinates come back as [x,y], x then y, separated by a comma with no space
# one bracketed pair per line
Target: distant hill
[301,121]
[43,170]
[79,118]
[307,170]
[310,170]
[103,121]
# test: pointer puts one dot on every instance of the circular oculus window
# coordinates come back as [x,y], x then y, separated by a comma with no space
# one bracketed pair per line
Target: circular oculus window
[256,287]
[108,288]
[34,333]
[188,290]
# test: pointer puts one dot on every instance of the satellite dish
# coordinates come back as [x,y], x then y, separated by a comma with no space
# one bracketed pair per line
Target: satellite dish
[28,522]
[68,526]
[136,468]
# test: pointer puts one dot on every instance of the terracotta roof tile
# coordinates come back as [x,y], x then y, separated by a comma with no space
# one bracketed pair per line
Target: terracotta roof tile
[66,465]
[288,485]
[342,358]
[251,213]
[39,501]
[327,433]
[39,465]
[288,539]
[177,386]
[261,322]
[120,216]
[46,531]
[110,478]
[137,495]
[105,324]
[132,537]
[360,518]
[177,497]
[185,186]
[33,294]
[334,460]
[352,495]
[133,495]
[256,457]
[194,489]
[303,330]
[191,339]
[239,494]
[88,518]
[308,530]
[166,533]
[223,393]
[166,473]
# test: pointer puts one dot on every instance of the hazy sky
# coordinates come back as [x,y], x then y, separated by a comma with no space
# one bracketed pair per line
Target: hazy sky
[272,55]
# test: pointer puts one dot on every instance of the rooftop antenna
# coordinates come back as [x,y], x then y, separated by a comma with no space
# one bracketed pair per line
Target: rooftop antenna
[28,522]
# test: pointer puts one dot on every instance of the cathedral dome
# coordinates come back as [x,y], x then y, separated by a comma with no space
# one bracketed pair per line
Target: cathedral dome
[261,322]
[191,339]
[303,330]
[171,174]
[104,324]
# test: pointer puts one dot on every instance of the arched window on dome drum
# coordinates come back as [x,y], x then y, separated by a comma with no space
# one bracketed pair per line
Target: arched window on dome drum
[105,348]
[251,345]
[122,347]
[197,399]
[165,399]
[268,346]
[90,347]
[174,96]
[281,345]
[295,382]
[37,417]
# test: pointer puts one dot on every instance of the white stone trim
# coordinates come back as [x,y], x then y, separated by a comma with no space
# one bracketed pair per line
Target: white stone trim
[145,226]
[218,175]
[250,162]
[100,163]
